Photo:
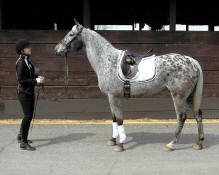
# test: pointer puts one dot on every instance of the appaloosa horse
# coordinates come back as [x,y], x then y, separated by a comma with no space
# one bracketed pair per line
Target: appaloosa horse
[180,74]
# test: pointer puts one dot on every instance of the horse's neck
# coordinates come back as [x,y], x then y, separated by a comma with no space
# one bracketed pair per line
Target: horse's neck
[101,54]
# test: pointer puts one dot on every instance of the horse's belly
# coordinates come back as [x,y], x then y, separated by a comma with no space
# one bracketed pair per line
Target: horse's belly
[148,88]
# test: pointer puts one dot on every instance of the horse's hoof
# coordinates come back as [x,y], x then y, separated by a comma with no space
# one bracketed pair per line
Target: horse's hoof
[111,142]
[197,147]
[168,148]
[119,148]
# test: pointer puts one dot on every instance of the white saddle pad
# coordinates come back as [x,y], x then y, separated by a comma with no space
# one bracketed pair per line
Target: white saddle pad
[146,70]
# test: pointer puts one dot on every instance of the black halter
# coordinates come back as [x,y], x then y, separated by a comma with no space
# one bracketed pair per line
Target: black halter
[67,44]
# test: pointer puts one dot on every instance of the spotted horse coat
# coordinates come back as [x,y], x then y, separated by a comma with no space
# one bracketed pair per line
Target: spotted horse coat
[180,74]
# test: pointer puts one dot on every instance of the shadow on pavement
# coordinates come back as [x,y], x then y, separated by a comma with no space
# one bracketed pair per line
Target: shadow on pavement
[62,139]
[143,138]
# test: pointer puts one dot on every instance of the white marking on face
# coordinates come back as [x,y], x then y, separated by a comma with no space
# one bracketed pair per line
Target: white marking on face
[60,48]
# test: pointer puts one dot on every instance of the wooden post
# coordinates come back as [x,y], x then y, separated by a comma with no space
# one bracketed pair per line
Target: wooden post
[172,13]
[211,28]
[133,26]
[187,27]
[87,13]
[0,14]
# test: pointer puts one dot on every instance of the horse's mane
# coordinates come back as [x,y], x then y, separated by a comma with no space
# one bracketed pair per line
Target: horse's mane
[103,41]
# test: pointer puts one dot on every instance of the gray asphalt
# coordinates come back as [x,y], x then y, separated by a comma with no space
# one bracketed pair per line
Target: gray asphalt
[82,149]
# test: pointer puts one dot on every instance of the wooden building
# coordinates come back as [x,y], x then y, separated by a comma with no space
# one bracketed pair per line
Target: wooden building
[79,96]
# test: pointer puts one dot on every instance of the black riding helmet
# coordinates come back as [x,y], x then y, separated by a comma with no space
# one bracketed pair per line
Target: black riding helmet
[21,44]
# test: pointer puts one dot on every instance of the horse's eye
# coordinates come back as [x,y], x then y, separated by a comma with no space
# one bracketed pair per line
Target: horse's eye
[71,35]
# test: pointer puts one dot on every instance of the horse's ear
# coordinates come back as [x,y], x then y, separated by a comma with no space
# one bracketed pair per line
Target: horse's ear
[76,22]
[78,26]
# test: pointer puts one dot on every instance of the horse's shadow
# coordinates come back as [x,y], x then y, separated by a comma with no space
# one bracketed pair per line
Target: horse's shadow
[144,138]
[62,139]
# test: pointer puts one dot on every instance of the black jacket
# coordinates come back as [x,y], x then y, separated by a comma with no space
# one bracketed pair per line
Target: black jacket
[26,76]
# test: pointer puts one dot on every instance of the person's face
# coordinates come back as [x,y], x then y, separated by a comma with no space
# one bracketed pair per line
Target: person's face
[26,51]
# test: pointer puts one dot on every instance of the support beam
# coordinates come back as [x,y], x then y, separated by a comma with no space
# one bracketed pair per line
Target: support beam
[187,27]
[172,13]
[1,15]
[87,13]
[133,26]
[211,28]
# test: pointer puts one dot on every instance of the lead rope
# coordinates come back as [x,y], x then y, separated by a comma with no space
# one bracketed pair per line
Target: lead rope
[35,105]
[66,71]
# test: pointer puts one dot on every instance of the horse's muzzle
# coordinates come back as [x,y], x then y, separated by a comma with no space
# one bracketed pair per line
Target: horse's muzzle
[58,53]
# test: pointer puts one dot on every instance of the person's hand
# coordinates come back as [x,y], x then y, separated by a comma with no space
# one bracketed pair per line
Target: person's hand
[40,79]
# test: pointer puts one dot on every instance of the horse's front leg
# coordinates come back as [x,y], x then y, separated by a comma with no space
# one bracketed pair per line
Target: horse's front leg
[118,127]
[112,141]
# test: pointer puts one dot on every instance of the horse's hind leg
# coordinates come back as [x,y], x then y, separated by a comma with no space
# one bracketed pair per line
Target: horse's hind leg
[198,117]
[180,107]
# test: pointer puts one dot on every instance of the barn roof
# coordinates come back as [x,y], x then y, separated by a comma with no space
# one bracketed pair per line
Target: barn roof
[42,14]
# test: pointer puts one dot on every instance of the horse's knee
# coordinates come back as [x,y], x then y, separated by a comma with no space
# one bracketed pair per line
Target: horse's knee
[119,121]
[182,118]
[200,113]
[198,116]
[198,119]
[114,118]
[202,138]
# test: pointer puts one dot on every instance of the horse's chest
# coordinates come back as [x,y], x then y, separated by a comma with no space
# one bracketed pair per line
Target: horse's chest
[109,84]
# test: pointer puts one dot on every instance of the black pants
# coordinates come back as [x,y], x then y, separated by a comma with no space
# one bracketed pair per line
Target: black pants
[27,102]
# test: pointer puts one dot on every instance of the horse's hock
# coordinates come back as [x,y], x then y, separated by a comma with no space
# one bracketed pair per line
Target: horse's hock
[82,98]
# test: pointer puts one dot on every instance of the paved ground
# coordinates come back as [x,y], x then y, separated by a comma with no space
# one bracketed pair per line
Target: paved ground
[81,149]
[86,109]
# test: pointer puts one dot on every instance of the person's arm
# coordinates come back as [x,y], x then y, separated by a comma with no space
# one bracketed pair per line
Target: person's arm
[35,76]
[21,80]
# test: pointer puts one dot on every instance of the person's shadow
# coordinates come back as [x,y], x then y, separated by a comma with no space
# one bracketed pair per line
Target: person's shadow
[62,139]
[143,138]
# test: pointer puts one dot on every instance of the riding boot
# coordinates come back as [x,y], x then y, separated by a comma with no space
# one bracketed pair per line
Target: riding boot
[25,146]
[19,139]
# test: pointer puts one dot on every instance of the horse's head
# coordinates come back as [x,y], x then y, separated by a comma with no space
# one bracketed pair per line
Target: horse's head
[71,42]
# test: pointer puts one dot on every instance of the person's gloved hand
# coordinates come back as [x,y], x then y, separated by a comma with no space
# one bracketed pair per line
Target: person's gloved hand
[40,80]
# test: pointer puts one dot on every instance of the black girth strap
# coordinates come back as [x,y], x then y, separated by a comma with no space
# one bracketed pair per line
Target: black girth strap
[126,89]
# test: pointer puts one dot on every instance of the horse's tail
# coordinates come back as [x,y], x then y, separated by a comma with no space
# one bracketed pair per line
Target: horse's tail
[197,99]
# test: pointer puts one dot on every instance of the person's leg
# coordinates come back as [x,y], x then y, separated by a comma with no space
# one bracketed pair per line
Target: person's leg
[27,103]
[19,136]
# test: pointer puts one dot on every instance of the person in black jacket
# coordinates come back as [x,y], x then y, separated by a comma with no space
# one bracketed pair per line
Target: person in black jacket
[27,80]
